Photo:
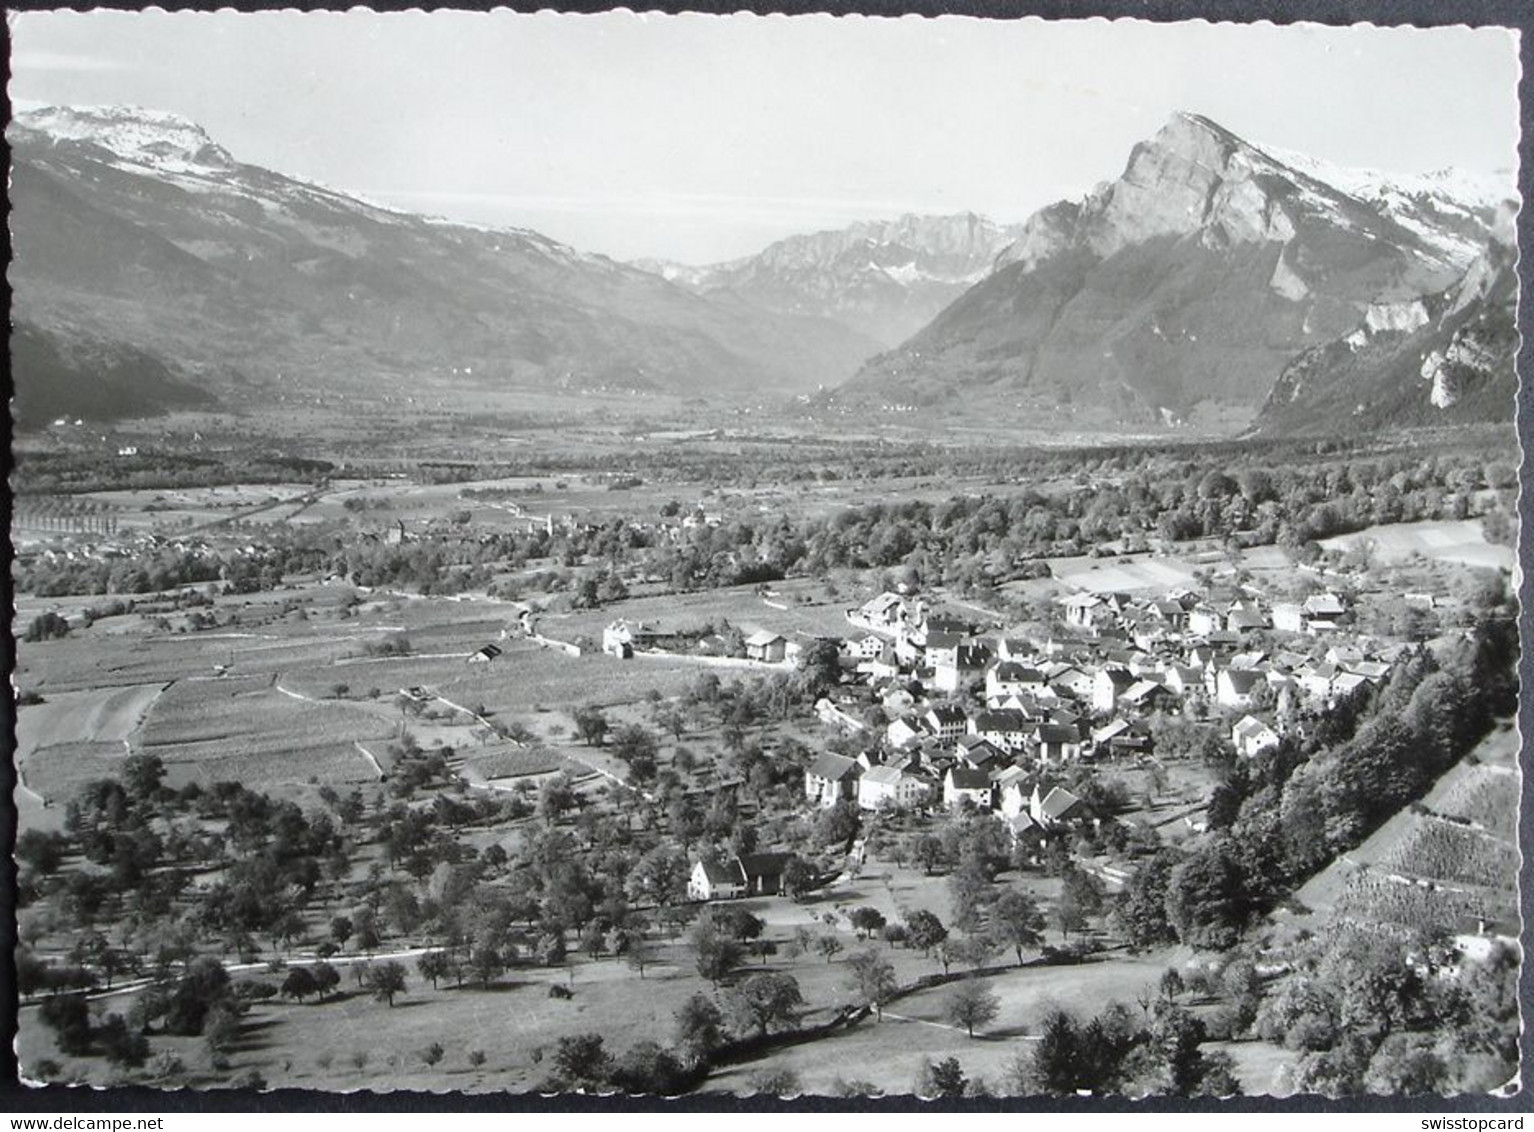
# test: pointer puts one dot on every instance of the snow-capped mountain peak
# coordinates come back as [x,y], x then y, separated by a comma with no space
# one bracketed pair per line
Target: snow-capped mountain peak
[134,133]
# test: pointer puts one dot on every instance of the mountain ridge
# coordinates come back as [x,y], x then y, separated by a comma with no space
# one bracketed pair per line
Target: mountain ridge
[883,278]
[135,227]
[1174,294]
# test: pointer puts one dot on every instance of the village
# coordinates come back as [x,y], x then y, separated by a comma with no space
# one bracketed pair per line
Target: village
[988,724]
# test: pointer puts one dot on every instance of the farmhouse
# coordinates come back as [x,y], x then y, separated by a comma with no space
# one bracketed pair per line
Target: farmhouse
[484,655]
[1251,736]
[1006,728]
[712,881]
[946,721]
[1108,685]
[1236,687]
[749,874]
[1058,744]
[884,614]
[831,778]
[891,786]
[766,647]
[963,784]
[1057,807]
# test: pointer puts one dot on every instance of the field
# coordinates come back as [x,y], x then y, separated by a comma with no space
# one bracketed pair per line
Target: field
[742,606]
[887,1054]
[1418,869]
[259,735]
[1461,542]
[1124,574]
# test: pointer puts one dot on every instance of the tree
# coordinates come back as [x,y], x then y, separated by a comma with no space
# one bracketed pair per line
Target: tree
[580,1062]
[1141,913]
[299,984]
[873,979]
[924,930]
[943,1080]
[341,930]
[798,878]
[1056,1063]
[120,1044]
[714,952]
[636,747]
[649,1068]
[866,921]
[765,1000]
[386,980]
[1081,897]
[699,1028]
[326,978]
[591,725]
[774,1083]
[829,946]
[433,1054]
[69,1017]
[1206,900]
[433,966]
[972,1004]
[1016,921]
[556,798]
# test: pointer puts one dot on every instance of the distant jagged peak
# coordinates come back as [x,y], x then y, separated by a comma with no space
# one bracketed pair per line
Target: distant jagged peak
[134,133]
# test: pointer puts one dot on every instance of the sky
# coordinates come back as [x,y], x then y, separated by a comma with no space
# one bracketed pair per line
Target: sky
[703,138]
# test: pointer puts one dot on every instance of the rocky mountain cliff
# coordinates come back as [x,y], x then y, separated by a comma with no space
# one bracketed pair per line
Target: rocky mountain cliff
[1178,293]
[1446,358]
[136,234]
[884,279]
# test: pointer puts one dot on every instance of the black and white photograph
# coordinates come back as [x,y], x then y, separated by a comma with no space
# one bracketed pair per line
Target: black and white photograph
[764,556]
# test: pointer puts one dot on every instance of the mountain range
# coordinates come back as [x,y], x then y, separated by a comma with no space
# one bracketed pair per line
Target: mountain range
[1180,291]
[1215,284]
[884,279]
[138,236]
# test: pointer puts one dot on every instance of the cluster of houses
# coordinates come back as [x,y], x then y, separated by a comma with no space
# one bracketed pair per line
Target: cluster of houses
[624,638]
[974,719]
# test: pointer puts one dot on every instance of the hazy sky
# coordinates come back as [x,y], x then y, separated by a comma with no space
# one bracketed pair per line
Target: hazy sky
[701,138]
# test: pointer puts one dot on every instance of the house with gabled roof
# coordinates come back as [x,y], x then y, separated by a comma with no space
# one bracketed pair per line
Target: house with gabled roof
[1058,807]
[978,753]
[965,784]
[1251,736]
[1183,679]
[766,647]
[1008,729]
[1237,687]
[1144,695]
[883,614]
[967,662]
[716,880]
[1108,685]
[891,785]
[1056,744]
[946,721]
[830,779]
[1009,678]
[903,732]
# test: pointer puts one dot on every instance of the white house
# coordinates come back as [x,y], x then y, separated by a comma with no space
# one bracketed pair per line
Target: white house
[1007,728]
[766,646]
[963,784]
[1108,685]
[891,786]
[711,880]
[830,778]
[1055,808]
[903,732]
[946,721]
[1252,736]
[1236,687]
